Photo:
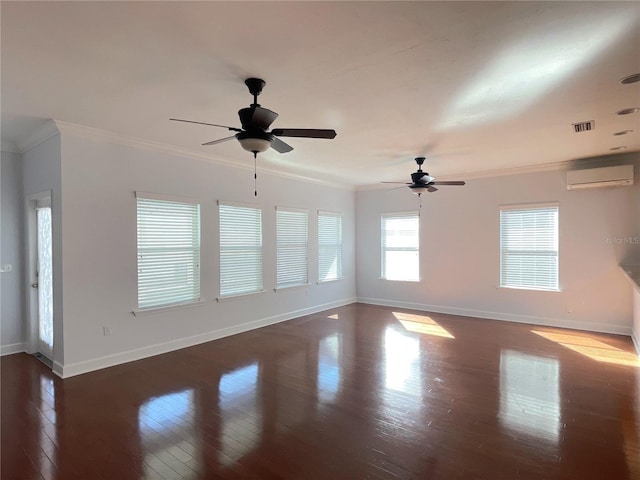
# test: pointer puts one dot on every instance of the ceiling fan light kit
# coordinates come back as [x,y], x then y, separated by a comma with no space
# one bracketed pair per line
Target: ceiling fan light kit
[419,189]
[255,142]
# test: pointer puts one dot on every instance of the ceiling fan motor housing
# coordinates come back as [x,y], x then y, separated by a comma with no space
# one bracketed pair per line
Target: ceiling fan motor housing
[420,177]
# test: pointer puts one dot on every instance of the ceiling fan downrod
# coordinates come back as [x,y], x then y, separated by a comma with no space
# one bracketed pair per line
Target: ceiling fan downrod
[255,86]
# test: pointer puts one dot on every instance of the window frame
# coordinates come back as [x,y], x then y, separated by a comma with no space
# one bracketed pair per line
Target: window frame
[414,215]
[259,284]
[304,281]
[338,246]
[196,298]
[554,253]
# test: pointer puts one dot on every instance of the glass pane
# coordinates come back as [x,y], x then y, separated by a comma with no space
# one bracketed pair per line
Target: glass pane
[402,265]
[45,282]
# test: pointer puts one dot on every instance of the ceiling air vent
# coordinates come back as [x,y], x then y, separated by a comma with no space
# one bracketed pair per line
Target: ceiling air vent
[583,126]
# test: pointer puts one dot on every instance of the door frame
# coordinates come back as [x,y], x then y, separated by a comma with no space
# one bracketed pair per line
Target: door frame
[41,199]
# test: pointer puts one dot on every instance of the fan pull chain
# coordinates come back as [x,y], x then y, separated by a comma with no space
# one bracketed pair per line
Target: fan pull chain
[255,174]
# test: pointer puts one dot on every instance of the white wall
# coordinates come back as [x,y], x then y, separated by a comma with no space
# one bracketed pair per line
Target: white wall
[460,252]
[12,325]
[99,230]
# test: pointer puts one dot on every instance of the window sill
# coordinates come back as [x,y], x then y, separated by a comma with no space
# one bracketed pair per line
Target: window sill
[320,282]
[399,280]
[289,287]
[529,289]
[239,295]
[141,312]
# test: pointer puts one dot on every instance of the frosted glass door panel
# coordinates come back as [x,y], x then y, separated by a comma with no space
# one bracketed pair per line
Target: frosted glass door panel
[45,284]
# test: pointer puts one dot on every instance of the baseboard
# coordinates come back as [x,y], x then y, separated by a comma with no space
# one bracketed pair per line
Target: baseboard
[508,317]
[12,348]
[636,342]
[73,369]
[58,369]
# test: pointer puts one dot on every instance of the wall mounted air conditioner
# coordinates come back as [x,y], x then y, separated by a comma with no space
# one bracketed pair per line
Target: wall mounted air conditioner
[600,177]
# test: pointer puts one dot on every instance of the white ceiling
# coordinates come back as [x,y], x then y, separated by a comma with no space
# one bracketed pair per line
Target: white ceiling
[477,86]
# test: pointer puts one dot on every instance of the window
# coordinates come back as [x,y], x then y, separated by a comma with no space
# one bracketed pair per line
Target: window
[168,250]
[292,250]
[240,249]
[400,241]
[329,246]
[529,247]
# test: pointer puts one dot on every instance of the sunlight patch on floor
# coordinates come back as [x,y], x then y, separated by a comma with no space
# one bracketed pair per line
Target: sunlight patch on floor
[421,324]
[334,317]
[591,348]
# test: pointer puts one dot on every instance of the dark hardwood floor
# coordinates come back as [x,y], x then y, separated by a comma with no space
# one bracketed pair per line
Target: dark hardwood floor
[359,392]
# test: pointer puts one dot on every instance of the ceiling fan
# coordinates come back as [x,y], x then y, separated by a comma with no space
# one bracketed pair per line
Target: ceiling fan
[256,120]
[422,182]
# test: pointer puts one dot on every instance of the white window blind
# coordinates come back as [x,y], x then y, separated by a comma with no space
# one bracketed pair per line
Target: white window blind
[240,249]
[400,241]
[329,246]
[168,251]
[292,248]
[529,247]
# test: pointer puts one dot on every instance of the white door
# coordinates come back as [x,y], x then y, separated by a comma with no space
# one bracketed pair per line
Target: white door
[44,282]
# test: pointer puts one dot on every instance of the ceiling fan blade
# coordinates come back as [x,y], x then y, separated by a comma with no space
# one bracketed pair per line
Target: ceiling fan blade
[401,183]
[451,182]
[304,132]
[234,129]
[279,146]
[263,117]
[431,188]
[256,117]
[220,140]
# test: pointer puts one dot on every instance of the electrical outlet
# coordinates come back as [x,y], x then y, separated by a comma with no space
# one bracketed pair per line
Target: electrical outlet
[106,330]
[569,308]
[6,268]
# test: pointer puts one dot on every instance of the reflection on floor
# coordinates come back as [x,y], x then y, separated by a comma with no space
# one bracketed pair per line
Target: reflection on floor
[355,392]
[240,413]
[167,432]
[530,394]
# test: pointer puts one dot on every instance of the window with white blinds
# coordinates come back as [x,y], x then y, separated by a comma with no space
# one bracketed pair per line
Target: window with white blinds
[168,234]
[292,247]
[329,246]
[400,242]
[529,247]
[240,249]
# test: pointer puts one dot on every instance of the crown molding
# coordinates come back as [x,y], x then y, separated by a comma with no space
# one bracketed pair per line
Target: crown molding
[36,137]
[97,134]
